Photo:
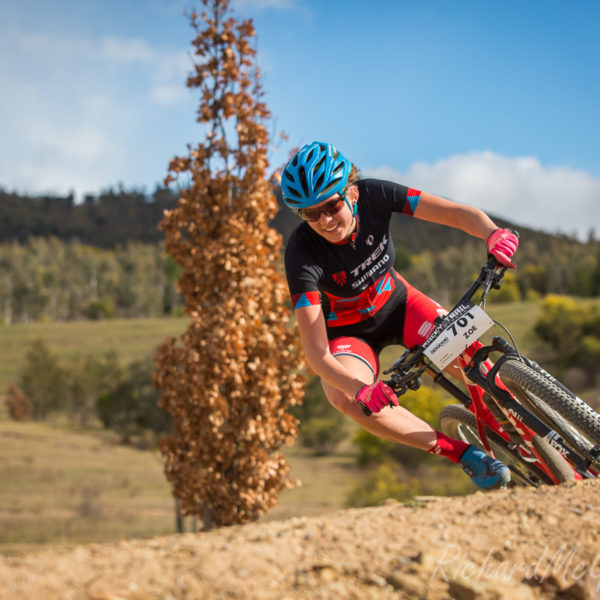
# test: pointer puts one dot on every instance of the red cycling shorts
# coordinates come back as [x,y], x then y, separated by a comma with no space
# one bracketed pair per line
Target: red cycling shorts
[421,312]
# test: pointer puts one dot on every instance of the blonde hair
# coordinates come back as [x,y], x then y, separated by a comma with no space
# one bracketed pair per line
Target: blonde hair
[354,175]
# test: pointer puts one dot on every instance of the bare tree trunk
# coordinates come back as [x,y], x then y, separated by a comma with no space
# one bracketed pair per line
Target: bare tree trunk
[178,517]
[207,514]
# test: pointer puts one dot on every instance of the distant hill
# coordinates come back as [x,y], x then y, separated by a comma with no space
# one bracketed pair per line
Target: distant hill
[115,217]
[111,218]
[438,260]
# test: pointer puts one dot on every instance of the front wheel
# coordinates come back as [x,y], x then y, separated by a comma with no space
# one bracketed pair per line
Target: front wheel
[559,408]
[457,422]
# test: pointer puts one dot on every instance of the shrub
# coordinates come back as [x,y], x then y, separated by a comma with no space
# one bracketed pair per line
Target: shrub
[131,406]
[388,481]
[322,435]
[509,292]
[17,403]
[321,426]
[427,403]
[570,329]
[100,309]
[44,381]
[371,448]
[88,378]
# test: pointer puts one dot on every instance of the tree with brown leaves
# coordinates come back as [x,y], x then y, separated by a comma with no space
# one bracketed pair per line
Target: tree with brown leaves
[229,379]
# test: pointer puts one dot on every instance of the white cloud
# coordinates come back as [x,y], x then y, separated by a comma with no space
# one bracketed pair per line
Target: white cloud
[80,110]
[166,69]
[521,189]
[84,158]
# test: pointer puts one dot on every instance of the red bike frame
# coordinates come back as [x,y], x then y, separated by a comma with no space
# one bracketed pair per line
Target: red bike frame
[485,417]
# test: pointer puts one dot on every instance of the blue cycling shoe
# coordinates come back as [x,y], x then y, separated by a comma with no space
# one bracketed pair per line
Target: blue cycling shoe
[485,471]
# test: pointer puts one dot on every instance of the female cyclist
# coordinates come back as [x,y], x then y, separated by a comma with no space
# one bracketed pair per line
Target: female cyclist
[350,302]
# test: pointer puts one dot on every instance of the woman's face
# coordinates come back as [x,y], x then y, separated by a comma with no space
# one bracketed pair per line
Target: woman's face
[336,227]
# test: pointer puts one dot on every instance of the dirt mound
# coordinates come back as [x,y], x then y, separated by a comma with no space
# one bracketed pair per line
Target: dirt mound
[507,544]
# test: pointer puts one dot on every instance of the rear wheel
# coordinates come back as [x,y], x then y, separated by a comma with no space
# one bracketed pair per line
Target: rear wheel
[457,422]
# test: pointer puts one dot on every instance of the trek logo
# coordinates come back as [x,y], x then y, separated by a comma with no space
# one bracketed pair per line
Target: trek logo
[370,240]
[340,277]
[374,256]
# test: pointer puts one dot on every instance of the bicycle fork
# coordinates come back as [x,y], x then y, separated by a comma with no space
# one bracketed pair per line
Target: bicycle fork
[523,424]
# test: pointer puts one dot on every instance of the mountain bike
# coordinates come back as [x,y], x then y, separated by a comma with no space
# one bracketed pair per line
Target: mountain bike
[514,409]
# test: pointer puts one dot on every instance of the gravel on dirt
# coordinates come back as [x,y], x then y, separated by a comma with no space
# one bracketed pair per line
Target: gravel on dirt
[507,544]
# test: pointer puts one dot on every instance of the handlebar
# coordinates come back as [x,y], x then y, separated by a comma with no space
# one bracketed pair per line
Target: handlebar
[490,277]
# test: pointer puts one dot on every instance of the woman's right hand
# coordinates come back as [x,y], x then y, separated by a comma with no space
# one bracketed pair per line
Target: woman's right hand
[502,244]
[376,396]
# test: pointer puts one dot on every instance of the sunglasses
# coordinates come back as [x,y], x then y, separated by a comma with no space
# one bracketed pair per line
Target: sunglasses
[331,208]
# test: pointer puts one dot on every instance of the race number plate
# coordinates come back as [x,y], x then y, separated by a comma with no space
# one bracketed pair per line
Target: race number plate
[464,325]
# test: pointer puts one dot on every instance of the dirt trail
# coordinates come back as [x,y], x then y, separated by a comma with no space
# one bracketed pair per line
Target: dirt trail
[508,544]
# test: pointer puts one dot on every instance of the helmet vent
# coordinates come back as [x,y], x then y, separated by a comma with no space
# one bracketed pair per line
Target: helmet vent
[303,182]
[331,186]
[319,181]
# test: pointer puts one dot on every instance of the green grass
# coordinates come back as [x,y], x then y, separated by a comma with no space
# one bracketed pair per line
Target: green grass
[519,318]
[132,339]
[62,487]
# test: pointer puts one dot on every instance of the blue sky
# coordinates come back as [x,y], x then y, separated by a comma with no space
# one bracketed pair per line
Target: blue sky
[490,103]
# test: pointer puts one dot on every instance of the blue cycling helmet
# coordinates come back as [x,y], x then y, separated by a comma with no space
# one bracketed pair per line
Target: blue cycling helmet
[316,172]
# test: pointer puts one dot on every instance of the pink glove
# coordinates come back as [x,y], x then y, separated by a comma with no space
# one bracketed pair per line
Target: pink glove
[376,396]
[502,244]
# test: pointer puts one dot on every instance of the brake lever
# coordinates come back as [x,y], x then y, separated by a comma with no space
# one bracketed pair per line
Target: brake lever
[486,291]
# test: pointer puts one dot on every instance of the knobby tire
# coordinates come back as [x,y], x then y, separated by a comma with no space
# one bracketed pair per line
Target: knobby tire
[456,415]
[544,394]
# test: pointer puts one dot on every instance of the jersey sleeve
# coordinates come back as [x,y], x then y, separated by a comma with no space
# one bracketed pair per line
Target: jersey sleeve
[302,274]
[391,197]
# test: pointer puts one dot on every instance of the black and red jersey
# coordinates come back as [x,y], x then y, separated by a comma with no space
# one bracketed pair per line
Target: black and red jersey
[355,283]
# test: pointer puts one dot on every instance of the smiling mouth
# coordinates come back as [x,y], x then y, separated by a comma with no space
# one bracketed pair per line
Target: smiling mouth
[332,229]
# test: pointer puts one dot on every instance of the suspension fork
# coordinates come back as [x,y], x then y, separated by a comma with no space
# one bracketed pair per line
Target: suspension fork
[525,423]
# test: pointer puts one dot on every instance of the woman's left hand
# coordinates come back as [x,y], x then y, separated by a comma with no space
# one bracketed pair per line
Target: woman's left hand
[376,396]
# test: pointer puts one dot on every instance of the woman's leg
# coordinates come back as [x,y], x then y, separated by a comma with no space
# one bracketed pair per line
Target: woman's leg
[396,424]
[400,425]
